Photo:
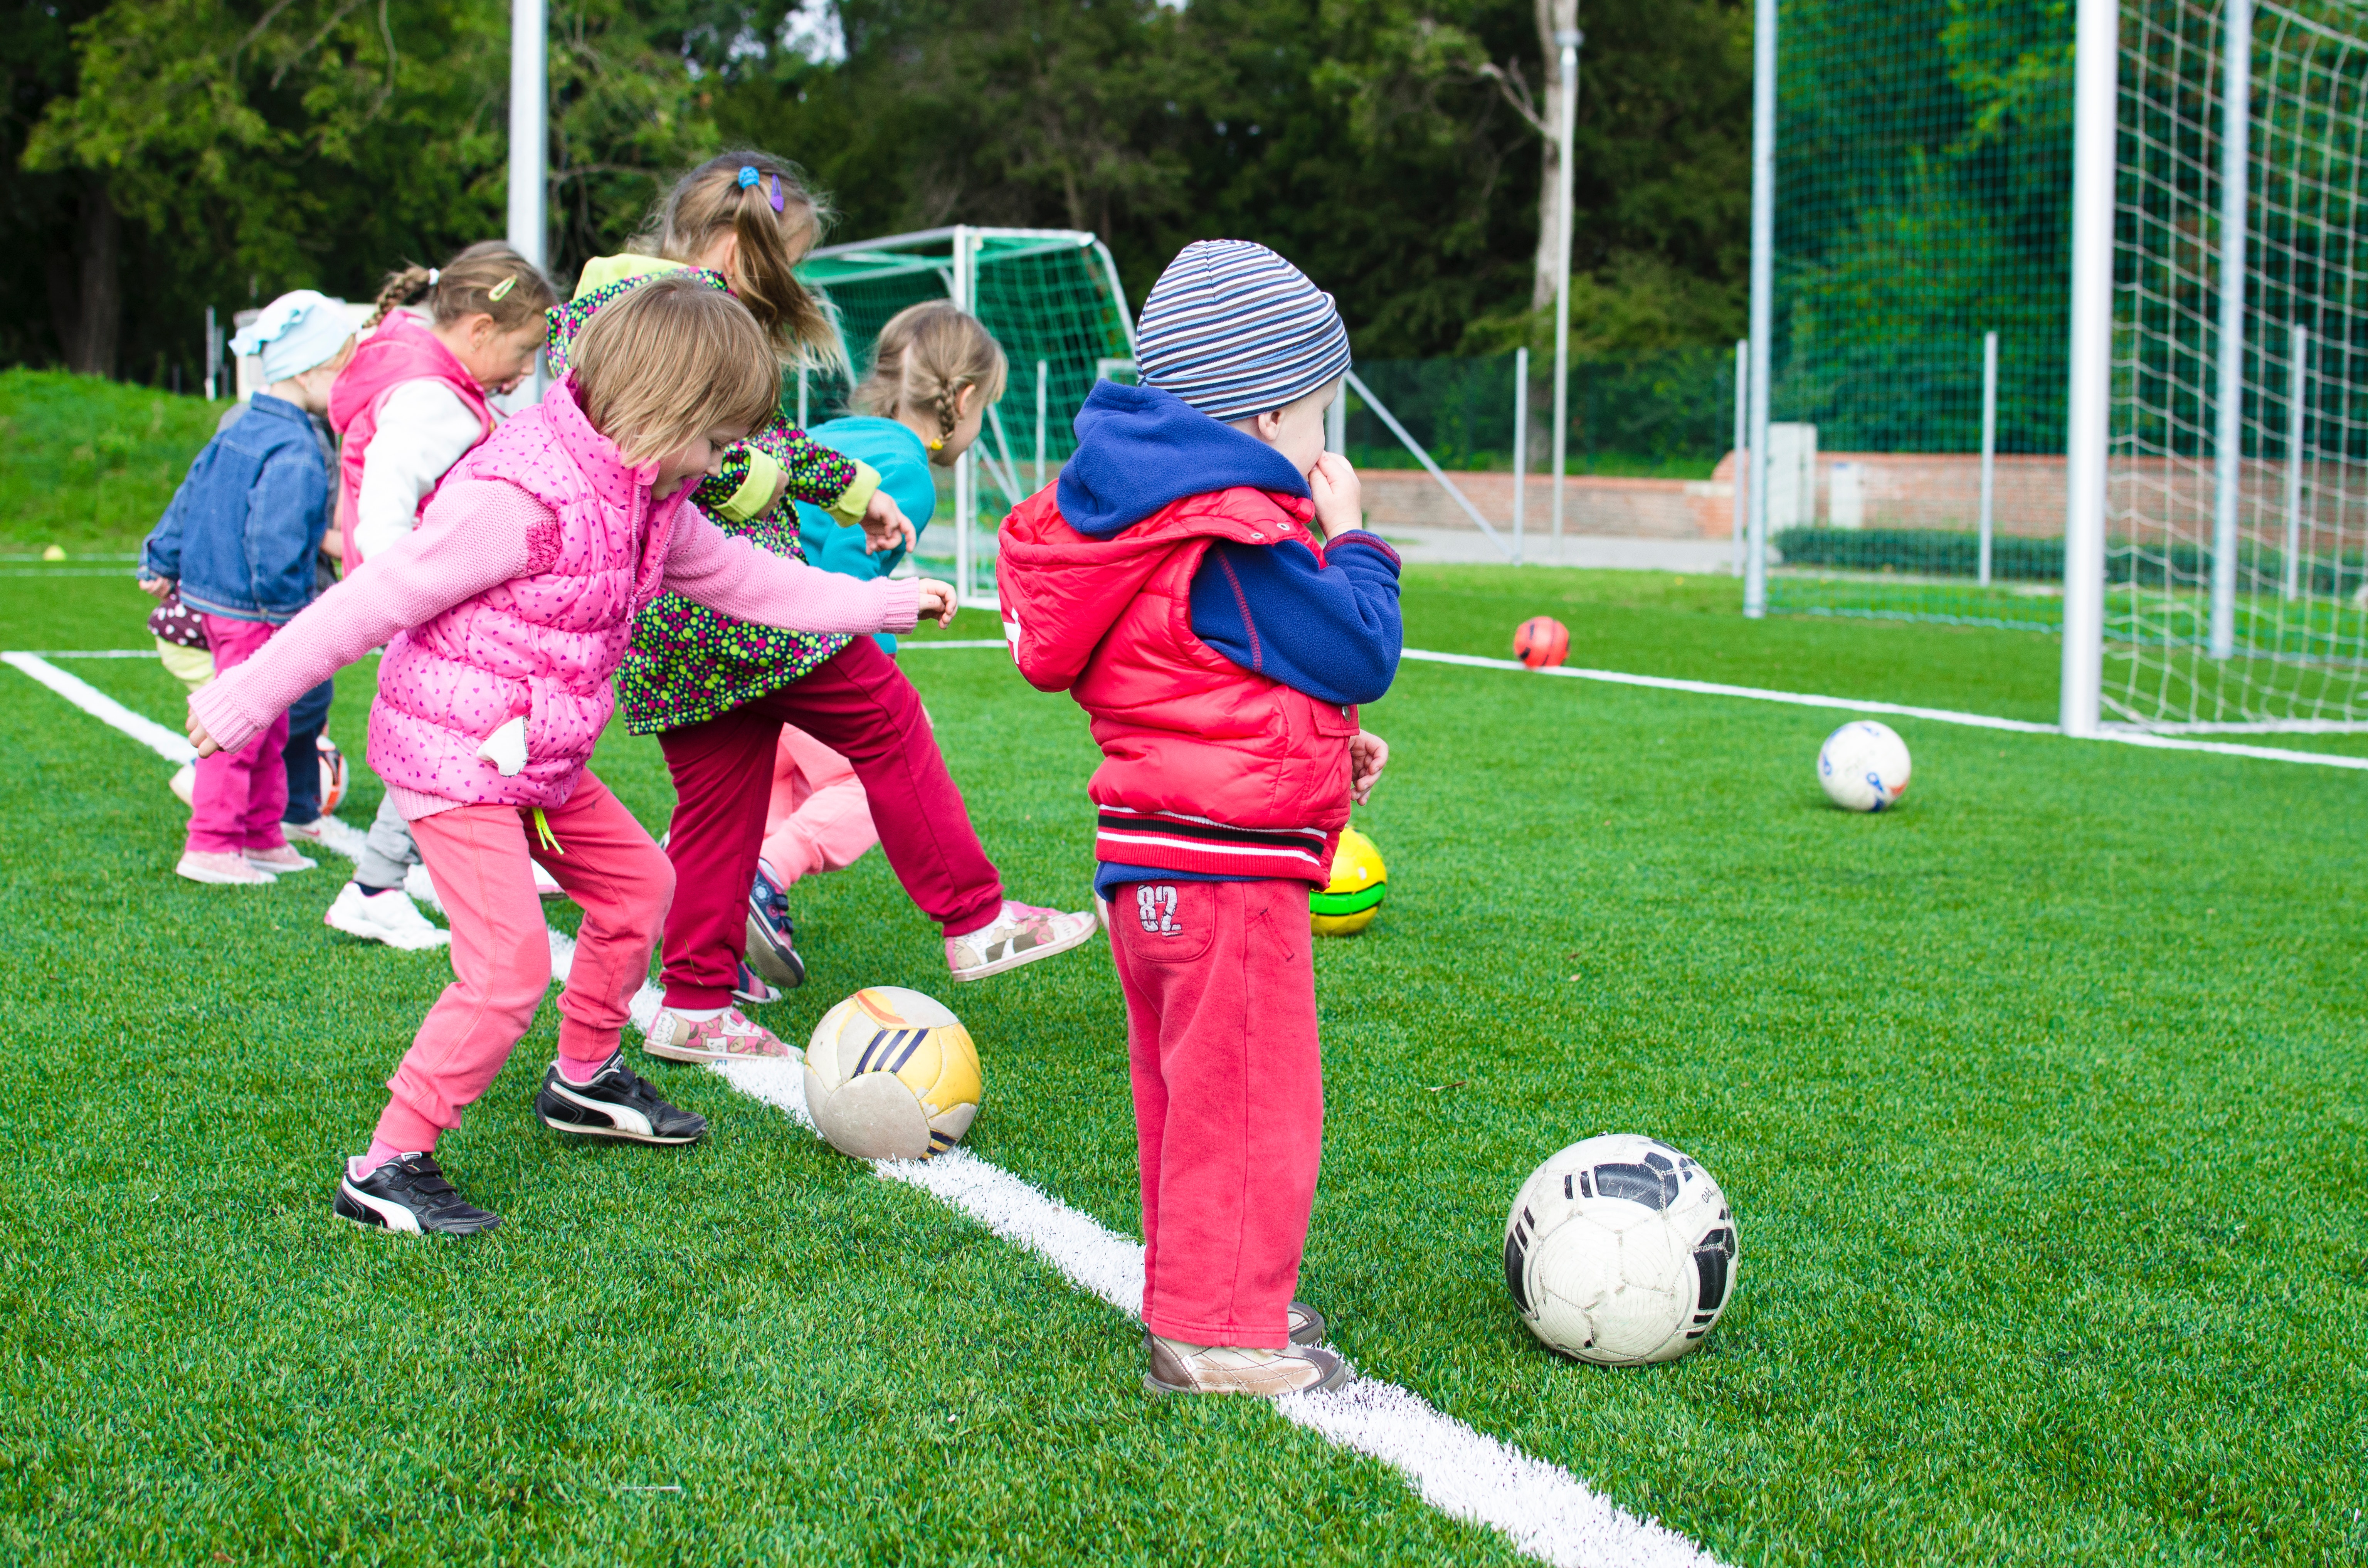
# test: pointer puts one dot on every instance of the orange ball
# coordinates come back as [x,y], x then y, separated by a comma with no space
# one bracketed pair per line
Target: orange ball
[1542,642]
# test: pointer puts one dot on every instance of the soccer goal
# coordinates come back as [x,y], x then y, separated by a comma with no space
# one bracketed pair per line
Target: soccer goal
[1051,296]
[2061,328]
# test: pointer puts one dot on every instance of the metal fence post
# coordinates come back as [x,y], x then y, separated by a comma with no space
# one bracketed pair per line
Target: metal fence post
[1989,448]
[2228,444]
[1520,446]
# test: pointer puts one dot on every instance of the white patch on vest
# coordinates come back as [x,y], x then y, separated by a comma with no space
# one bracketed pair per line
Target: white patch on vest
[505,748]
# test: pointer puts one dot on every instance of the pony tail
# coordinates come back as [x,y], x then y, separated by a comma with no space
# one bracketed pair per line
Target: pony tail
[803,328]
[399,289]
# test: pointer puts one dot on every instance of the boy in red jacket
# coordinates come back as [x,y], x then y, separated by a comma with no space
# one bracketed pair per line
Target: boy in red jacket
[1173,583]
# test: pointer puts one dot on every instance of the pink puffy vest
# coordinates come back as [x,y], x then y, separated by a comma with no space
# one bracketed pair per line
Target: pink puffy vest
[1183,729]
[400,350]
[541,646]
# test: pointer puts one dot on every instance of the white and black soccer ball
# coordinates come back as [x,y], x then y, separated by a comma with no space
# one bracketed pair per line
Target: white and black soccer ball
[1620,1251]
[1863,765]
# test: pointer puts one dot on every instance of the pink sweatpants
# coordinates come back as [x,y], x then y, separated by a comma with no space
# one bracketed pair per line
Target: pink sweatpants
[1220,986]
[240,793]
[501,950]
[818,819]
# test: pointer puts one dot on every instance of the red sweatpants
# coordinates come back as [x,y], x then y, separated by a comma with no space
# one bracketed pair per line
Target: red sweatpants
[501,950]
[859,705]
[1220,986]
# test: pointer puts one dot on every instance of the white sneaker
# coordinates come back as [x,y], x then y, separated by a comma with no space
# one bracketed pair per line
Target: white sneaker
[386,917]
[1178,1368]
[223,869]
[1022,934]
[309,832]
[185,785]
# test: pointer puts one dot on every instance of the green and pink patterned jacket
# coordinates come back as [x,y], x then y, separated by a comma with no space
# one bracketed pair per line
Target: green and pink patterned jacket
[687,663]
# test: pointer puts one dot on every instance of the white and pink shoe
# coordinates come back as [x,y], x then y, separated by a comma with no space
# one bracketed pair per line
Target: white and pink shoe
[728,1037]
[1021,933]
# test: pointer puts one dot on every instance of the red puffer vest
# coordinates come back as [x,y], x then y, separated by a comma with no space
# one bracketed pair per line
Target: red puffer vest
[400,350]
[1205,765]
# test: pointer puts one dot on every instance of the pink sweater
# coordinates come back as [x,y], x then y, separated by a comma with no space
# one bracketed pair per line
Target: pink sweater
[480,533]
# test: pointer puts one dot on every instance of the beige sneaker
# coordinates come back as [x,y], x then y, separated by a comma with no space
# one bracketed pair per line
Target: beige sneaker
[1178,1368]
[222,868]
[1304,1323]
[280,861]
[727,1038]
[1022,934]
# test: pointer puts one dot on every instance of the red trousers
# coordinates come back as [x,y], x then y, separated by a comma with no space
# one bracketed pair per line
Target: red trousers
[501,950]
[860,706]
[240,793]
[1228,1078]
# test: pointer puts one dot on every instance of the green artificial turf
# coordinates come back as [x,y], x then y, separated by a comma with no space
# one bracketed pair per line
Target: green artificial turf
[2040,1102]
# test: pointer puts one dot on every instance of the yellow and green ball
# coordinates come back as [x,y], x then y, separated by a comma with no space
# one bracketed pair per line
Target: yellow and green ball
[1360,882]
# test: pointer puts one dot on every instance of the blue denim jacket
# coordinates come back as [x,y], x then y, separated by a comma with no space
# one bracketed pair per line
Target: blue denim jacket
[242,531]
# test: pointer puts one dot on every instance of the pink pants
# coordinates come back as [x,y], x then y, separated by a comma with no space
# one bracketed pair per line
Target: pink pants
[1220,986]
[501,951]
[240,793]
[819,819]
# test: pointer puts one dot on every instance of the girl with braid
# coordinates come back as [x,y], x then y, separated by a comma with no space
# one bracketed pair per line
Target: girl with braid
[716,690]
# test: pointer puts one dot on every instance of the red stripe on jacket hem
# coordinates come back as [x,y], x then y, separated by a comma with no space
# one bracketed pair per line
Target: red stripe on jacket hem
[1148,846]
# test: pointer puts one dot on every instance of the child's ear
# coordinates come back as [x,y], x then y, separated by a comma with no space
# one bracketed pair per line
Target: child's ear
[966,400]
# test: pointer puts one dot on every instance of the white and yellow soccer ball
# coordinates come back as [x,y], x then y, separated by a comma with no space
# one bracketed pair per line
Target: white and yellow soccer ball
[892,1074]
[1863,766]
[1620,1251]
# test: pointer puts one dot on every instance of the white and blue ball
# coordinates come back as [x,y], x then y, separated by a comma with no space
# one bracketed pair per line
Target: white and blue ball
[1863,766]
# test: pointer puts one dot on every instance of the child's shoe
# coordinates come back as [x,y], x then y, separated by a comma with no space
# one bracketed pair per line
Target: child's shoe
[387,916]
[1178,1368]
[185,785]
[617,1102]
[309,832]
[754,988]
[409,1193]
[280,861]
[1307,1325]
[222,868]
[729,1037]
[545,884]
[772,937]
[1022,934]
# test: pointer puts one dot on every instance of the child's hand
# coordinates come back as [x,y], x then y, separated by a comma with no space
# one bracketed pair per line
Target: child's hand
[781,488]
[205,742]
[938,602]
[885,526]
[1368,755]
[155,587]
[1339,497]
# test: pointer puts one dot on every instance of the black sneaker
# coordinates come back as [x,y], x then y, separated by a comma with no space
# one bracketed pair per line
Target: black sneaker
[772,936]
[615,1104]
[409,1193]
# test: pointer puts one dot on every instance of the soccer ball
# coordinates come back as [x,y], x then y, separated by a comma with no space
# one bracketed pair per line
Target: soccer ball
[1863,765]
[1542,642]
[1620,1251]
[333,774]
[1360,882]
[891,1075]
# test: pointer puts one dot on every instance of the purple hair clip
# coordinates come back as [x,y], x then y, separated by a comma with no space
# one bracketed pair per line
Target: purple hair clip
[777,193]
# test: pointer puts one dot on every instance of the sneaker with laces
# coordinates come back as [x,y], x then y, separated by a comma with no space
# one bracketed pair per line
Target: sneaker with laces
[727,1038]
[309,832]
[222,868]
[617,1102]
[1180,1367]
[409,1193]
[280,861]
[752,988]
[772,936]
[387,916]
[1022,934]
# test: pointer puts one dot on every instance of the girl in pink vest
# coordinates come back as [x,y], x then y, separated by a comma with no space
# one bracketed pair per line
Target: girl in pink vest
[505,615]
[410,405]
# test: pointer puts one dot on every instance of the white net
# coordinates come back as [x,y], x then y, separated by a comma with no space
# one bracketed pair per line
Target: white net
[2278,637]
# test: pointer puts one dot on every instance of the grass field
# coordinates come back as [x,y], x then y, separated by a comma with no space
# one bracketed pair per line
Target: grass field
[2040,1102]
[87,464]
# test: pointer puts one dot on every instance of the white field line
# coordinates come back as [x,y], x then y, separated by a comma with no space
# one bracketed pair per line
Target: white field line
[1544,1510]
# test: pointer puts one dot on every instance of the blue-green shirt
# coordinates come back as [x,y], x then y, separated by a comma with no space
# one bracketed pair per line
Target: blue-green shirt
[903,465]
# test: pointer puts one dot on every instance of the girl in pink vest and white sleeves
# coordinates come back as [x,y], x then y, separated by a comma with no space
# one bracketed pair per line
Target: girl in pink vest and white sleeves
[410,405]
[505,615]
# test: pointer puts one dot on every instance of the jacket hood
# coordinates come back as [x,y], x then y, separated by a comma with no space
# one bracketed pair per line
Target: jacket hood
[1140,449]
[400,350]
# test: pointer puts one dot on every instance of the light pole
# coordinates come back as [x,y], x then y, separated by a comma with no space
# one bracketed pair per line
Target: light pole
[529,144]
[1568,40]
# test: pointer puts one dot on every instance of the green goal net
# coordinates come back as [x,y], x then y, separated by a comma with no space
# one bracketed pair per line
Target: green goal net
[1052,298]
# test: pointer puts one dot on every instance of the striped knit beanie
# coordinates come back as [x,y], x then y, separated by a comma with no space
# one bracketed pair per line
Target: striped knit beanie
[1232,329]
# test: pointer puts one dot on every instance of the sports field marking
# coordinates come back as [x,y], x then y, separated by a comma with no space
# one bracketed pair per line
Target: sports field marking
[1544,1510]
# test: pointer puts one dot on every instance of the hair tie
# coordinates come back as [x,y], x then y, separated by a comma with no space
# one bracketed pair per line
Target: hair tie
[433,274]
[747,175]
[935,446]
[501,290]
[777,193]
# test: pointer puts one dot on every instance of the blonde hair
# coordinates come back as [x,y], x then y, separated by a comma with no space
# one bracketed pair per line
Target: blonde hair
[711,200]
[488,278]
[670,360]
[926,354]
